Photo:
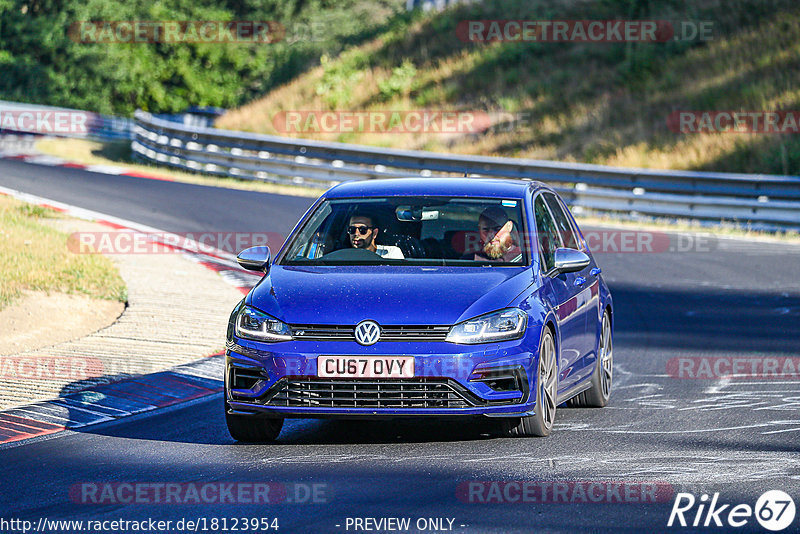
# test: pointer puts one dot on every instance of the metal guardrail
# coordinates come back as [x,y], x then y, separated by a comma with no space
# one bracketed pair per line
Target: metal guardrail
[763,201]
[33,119]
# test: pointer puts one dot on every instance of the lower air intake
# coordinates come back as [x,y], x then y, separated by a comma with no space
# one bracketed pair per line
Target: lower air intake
[405,393]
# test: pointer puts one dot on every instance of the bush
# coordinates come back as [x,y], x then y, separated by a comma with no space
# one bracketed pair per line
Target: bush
[400,82]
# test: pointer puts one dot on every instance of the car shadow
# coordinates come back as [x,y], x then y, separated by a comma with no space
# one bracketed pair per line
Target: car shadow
[203,422]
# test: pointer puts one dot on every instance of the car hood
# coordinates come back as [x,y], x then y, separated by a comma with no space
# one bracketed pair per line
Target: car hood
[389,295]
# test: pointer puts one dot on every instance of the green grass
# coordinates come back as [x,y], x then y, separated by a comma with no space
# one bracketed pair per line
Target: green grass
[35,257]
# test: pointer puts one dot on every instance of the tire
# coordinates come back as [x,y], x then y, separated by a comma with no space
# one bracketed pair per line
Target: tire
[597,396]
[541,423]
[252,428]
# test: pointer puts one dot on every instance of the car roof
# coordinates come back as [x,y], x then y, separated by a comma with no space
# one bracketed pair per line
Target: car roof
[434,186]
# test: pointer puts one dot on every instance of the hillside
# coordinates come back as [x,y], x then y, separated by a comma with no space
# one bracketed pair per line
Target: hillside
[603,103]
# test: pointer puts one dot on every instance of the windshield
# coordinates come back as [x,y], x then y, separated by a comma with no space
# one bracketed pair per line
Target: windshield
[412,230]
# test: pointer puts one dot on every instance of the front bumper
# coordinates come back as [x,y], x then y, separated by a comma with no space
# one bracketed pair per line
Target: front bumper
[450,380]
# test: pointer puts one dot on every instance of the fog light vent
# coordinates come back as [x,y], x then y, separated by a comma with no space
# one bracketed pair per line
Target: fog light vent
[245,378]
[503,379]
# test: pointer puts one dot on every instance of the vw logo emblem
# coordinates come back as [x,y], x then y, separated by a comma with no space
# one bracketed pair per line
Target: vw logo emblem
[368,332]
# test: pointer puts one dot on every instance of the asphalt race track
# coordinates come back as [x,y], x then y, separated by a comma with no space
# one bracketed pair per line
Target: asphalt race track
[663,429]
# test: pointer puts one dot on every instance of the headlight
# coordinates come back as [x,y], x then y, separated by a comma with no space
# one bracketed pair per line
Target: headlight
[496,326]
[258,326]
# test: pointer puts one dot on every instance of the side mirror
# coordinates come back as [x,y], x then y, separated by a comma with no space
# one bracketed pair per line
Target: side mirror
[569,260]
[254,259]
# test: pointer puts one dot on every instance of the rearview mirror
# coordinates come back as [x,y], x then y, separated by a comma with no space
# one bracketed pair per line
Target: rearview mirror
[569,260]
[254,259]
[415,214]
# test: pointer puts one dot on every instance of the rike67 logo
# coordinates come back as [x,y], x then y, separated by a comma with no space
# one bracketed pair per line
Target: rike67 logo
[774,510]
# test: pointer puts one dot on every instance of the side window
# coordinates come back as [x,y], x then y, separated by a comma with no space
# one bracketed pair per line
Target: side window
[310,243]
[547,234]
[562,222]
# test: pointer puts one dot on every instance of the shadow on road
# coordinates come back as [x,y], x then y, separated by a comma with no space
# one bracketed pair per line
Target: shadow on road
[205,424]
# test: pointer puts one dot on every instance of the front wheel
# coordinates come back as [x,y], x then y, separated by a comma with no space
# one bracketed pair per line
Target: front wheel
[251,429]
[541,423]
[597,396]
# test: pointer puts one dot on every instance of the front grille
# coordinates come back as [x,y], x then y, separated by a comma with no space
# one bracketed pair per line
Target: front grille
[388,332]
[401,393]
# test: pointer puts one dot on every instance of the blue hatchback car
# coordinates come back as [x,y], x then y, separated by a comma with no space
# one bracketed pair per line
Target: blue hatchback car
[422,297]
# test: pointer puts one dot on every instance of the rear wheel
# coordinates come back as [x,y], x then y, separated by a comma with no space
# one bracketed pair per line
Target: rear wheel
[597,396]
[252,428]
[541,423]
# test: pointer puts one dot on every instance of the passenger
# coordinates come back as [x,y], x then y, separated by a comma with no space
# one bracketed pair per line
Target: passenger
[363,233]
[499,239]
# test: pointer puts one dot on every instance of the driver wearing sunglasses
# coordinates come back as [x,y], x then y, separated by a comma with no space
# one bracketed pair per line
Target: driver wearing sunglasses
[363,233]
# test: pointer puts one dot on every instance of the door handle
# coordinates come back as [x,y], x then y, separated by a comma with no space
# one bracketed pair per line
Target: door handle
[596,271]
[579,281]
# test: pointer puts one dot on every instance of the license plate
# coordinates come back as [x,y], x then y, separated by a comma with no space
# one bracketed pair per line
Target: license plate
[365,366]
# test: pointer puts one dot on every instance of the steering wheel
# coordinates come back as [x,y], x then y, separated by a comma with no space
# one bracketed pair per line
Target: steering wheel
[410,246]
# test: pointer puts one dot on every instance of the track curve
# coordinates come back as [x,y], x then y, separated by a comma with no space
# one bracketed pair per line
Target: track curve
[725,299]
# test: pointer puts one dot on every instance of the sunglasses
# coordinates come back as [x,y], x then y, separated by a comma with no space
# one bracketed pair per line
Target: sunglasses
[362,230]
